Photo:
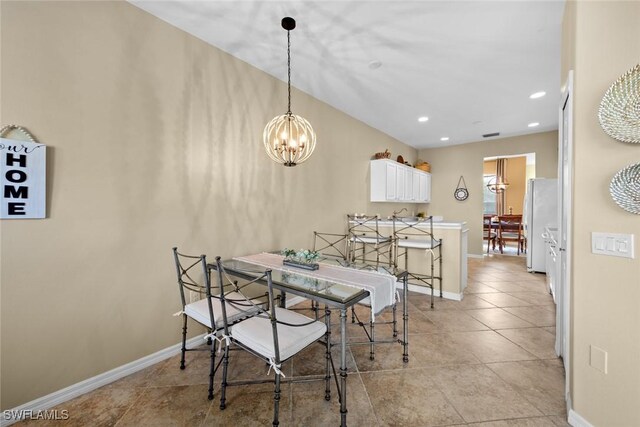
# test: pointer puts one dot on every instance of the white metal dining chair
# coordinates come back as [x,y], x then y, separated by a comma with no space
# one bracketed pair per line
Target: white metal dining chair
[335,245]
[205,307]
[332,246]
[273,335]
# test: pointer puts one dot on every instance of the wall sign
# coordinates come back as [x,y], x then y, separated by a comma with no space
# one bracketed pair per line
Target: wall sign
[22,177]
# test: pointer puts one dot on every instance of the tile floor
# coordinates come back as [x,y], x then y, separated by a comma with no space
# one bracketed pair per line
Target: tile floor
[485,361]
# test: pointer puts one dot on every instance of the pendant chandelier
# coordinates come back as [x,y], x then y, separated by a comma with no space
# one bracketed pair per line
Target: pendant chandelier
[497,185]
[289,139]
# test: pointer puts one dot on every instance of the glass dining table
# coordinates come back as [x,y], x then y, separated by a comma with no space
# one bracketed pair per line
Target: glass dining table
[331,293]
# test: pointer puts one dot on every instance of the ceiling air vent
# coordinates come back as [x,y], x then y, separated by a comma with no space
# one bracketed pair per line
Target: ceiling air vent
[489,135]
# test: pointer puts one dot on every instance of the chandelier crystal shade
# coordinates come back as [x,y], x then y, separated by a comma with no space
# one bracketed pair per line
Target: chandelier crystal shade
[289,139]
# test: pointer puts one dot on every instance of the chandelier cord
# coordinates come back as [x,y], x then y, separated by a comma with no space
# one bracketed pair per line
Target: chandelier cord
[289,71]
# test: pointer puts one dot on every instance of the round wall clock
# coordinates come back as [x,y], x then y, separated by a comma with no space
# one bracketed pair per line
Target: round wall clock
[461,193]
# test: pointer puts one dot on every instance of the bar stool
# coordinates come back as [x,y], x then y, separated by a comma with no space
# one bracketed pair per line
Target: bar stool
[410,233]
[365,243]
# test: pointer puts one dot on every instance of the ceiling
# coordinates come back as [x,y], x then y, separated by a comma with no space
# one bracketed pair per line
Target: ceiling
[469,66]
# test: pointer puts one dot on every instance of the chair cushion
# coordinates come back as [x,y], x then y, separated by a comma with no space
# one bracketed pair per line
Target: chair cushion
[416,243]
[370,239]
[199,311]
[257,333]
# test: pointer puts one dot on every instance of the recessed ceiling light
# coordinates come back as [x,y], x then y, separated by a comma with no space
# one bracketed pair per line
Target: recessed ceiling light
[375,64]
[444,138]
[423,119]
[537,95]
[534,124]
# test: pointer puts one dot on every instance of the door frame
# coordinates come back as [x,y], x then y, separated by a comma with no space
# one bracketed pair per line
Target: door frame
[565,225]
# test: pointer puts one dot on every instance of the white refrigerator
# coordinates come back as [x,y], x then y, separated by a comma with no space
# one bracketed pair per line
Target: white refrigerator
[540,211]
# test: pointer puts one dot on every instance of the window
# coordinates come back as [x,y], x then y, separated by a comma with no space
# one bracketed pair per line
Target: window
[489,197]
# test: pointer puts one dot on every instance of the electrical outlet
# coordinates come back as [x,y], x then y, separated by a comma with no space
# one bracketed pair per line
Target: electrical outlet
[598,359]
[612,244]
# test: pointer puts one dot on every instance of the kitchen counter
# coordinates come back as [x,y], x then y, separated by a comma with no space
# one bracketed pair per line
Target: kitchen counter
[454,257]
[436,224]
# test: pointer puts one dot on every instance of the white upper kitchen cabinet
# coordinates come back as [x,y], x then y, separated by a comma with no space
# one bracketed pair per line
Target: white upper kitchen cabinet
[394,182]
[387,179]
[425,187]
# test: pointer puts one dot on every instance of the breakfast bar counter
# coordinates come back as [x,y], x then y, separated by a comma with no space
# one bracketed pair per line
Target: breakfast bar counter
[454,257]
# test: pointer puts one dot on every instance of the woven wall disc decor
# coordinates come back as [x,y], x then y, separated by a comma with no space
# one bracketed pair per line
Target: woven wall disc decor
[625,188]
[619,112]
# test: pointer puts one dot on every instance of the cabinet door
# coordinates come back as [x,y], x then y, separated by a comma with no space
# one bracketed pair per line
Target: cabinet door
[391,172]
[425,188]
[427,197]
[408,185]
[416,186]
[400,183]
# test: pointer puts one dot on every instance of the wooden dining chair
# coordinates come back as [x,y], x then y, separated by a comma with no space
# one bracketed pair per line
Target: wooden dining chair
[489,232]
[510,230]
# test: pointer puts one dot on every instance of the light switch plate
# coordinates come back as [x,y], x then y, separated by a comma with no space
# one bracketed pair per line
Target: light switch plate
[598,359]
[612,244]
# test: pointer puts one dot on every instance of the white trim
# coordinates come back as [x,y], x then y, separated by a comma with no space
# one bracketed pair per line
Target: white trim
[57,397]
[563,292]
[427,291]
[577,421]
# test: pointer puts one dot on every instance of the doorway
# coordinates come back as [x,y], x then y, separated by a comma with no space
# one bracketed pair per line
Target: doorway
[505,182]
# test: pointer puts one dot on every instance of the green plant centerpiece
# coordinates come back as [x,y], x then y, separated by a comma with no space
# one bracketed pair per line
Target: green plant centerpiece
[302,258]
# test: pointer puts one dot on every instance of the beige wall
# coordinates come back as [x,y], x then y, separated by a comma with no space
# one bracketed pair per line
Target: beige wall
[604,38]
[448,163]
[154,140]
[489,167]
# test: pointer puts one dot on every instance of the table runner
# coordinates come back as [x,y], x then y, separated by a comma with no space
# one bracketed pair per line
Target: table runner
[381,286]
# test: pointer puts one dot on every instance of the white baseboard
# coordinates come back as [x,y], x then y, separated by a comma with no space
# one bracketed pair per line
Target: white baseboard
[427,291]
[577,421]
[56,398]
